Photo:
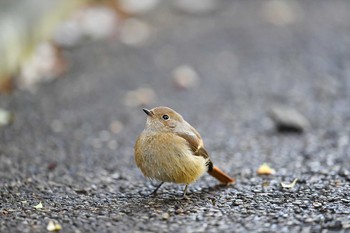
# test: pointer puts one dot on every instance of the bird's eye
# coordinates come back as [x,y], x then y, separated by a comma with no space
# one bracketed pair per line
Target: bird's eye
[165,117]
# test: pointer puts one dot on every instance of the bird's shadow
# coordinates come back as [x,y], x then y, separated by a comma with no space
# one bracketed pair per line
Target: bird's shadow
[168,197]
[140,203]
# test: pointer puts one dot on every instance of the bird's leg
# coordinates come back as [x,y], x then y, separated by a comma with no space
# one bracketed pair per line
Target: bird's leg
[155,191]
[184,194]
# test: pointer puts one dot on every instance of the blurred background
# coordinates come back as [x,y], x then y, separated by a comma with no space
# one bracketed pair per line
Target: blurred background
[36,34]
[74,76]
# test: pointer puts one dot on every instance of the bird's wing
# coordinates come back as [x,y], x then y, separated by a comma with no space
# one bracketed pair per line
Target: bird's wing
[195,143]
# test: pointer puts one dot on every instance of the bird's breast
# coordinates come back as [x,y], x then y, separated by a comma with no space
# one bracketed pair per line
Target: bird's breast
[168,158]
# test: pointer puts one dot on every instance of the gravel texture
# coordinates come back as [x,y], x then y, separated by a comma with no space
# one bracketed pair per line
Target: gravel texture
[61,150]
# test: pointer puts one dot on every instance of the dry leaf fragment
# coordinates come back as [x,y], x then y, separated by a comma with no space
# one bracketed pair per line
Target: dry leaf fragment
[289,185]
[265,169]
[53,226]
[39,206]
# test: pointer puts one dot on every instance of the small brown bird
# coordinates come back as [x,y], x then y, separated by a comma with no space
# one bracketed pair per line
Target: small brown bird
[170,150]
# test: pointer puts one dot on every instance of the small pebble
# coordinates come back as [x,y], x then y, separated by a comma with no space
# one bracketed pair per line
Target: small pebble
[165,216]
[288,119]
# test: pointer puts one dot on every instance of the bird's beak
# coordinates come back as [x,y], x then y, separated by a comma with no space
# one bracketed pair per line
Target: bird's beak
[148,112]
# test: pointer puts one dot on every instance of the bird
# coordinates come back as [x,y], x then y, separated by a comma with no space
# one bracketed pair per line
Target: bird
[169,149]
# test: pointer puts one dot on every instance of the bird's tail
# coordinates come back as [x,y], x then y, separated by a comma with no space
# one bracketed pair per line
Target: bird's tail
[221,176]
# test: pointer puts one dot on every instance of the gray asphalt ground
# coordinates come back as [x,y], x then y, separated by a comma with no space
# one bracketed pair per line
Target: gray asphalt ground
[60,150]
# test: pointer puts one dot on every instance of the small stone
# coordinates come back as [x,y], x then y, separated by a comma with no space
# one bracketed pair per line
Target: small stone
[117,217]
[179,211]
[165,216]
[238,202]
[82,191]
[309,220]
[116,176]
[288,119]
[317,204]
[335,225]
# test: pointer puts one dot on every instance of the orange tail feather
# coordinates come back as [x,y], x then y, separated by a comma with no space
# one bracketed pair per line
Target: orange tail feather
[221,176]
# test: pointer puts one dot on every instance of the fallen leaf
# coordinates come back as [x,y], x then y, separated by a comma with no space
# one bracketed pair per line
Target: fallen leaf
[265,169]
[289,185]
[39,206]
[53,226]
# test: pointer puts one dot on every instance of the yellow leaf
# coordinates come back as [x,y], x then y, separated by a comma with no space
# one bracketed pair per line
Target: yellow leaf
[289,185]
[53,226]
[265,169]
[39,206]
